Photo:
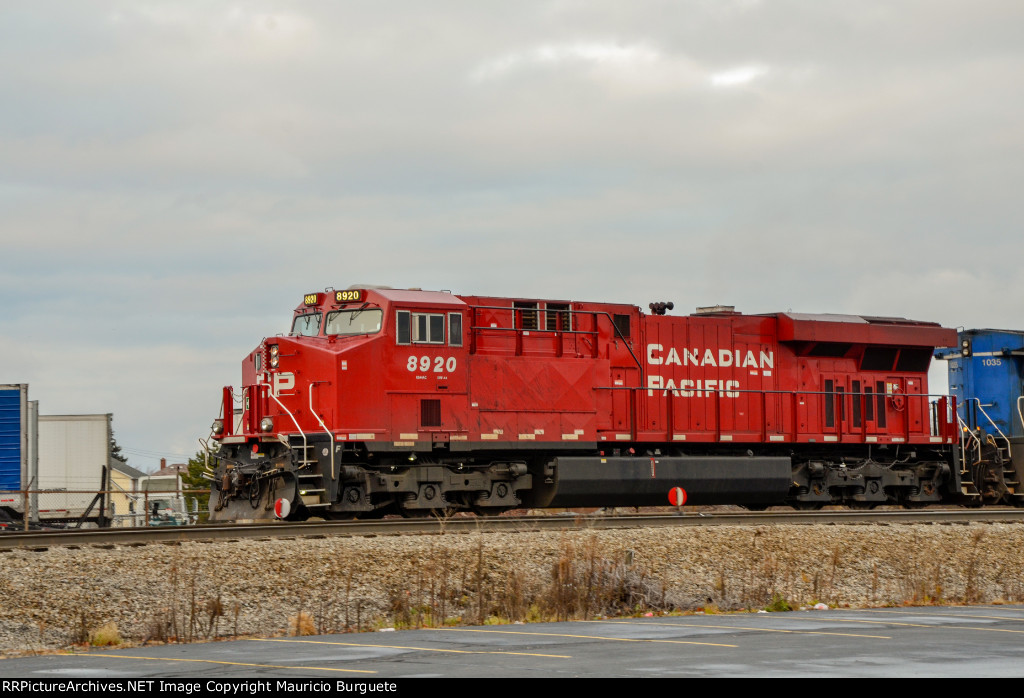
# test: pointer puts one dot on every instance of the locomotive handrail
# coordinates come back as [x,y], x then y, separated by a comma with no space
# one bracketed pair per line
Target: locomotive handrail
[519,331]
[296,423]
[794,394]
[970,435]
[239,423]
[570,311]
[243,392]
[747,390]
[1020,414]
[312,384]
[232,421]
[994,426]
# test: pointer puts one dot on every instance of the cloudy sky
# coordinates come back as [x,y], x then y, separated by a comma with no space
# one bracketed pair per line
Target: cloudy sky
[175,175]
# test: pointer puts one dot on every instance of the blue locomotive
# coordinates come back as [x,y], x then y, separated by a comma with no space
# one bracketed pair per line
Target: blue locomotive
[986,376]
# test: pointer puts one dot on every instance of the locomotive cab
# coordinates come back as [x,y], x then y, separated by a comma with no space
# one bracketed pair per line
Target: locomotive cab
[389,392]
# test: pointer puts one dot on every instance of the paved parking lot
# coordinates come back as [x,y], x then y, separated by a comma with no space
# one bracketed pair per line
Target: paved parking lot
[932,641]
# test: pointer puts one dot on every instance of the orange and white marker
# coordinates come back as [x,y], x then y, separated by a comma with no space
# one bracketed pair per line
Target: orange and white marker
[677,496]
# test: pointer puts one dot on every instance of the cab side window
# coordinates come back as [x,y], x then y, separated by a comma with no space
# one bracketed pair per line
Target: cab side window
[422,328]
[403,332]
[455,329]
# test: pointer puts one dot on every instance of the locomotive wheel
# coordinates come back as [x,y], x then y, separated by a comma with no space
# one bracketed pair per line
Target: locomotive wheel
[338,515]
[414,513]
[390,509]
[807,506]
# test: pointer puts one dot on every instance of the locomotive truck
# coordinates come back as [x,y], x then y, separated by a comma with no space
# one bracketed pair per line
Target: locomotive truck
[405,401]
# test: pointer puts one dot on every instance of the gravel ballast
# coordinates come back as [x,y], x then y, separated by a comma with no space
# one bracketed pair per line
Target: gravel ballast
[56,597]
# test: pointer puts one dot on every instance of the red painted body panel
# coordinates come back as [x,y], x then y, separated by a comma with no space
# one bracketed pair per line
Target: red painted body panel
[480,372]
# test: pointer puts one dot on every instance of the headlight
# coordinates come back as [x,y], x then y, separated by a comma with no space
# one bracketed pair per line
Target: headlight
[267,425]
[218,427]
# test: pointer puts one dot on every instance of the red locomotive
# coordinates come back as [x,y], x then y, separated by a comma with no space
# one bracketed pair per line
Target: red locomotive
[384,401]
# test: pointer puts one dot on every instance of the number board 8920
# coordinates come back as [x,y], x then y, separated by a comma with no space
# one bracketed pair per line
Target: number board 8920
[428,364]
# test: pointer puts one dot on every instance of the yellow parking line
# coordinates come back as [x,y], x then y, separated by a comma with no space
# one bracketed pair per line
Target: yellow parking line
[870,622]
[421,649]
[919,625]
[584,637]
[214,661]
[740,627]
[910,612]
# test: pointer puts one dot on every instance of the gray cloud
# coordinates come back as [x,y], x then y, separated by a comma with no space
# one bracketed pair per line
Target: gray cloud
[176,175]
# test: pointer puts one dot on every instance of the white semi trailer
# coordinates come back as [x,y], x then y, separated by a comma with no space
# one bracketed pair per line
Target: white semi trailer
[73,469]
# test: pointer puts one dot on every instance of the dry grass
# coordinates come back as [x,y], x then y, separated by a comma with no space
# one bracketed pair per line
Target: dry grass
[301,624]
[586,579]
[105,635]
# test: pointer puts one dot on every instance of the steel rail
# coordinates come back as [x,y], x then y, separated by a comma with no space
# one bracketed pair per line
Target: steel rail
[435,526]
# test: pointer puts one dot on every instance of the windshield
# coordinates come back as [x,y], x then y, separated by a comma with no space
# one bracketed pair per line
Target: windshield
[306,325]
[354,321]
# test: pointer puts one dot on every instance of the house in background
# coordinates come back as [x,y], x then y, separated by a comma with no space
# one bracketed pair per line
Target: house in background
[140,499]
[124,495]
[164,500]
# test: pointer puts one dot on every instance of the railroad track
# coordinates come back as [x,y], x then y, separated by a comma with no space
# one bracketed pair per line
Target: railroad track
[429,526]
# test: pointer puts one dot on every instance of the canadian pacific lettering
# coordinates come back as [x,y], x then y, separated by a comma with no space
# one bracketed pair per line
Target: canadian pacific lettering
[723,358]
[690,388]
[761,362]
